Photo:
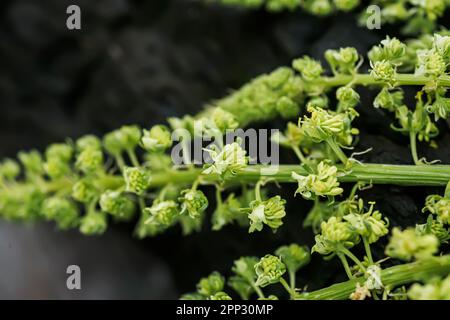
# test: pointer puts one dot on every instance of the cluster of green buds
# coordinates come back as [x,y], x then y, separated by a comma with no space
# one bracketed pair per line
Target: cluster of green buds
[209,288]
[269,270]
[434,289]
[408,244]
[439,205]
[269,212]
[321,182]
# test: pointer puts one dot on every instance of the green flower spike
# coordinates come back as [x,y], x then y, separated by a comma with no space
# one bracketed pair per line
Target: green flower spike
[321,183]
[137,180]
[157,139]
[407,244]
[193,202]
[269,212]
[117,204]
[211,285]
[269,270]
[231,158]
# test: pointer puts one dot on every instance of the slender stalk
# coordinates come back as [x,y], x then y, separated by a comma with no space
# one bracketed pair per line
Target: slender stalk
[367,249]
[413,143]
[349,254]
[287,287]
[346,266]
[337,150]
[257,290]
[392,277]
[299,154]
[292,280]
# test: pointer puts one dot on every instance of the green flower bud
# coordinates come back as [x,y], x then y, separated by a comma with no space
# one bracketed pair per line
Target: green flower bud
[287,108]
[93,223]
[32,162]
[9,169]
[440,108]
[85,191]
[60,151]
[162,213]
[269,212]
[157,139]
[439,206]
[137,180]
[442,45]
[430,63]
[192,296]
[62,211]
[391,49]
[211,285]
[347,96]
[309,68]
[117,204]
[346,5]
[89,160]
[407,244]
[369,225]
[245,268]
[224,120]
[435,289]
[294,256]
[434,227]
[322,183]
[241,286]
[194,202]
[56,168]
[269,270]
[334,234]
[389,100]
[88,142]
[342,61]
[230,159]
[125,138]
[322,124]
[319,7]
[219,296]
[383,71]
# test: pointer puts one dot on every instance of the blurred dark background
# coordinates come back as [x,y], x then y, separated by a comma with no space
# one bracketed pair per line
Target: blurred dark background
[140,61]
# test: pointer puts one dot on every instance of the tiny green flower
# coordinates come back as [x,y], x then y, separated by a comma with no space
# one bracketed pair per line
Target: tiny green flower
[163,213]
[219,296]
[293,256]
[435,227]
[59,151]
[125,138]
[389,100]
[287,108]
[32,162]
[309,68]
[322,124]
[269,270]
[383,71]
[193,202]
[369,224]
[137,180]
[442,45]
[232,158]
[93,223]
[9,169]
[434,289]
[211,285]
[347,96]
[62,211]
[56,168]
[407,244]
[430,63]
[391,49]
[335,234]
[342,61]
[440,107]
[319,184]
[88,141]
[224,120]
[439,206]
[117,204]
[269,212]
[157,139]
[89,160]
[85,191]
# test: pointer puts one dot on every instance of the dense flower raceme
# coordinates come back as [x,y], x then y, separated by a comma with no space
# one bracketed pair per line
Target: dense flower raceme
[128,174]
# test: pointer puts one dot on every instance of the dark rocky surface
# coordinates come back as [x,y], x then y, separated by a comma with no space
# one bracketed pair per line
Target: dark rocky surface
[139,61]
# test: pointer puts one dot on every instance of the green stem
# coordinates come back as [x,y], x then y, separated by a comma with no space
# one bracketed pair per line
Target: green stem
[349,254]
[346,266]
[337,150]
[287,287]
[367,249]
[133,158]
[413,142]
[292,280]
[392,277]
[299,154]
[257,290]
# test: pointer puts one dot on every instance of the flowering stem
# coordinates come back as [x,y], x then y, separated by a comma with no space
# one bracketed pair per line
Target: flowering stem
[392,277]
